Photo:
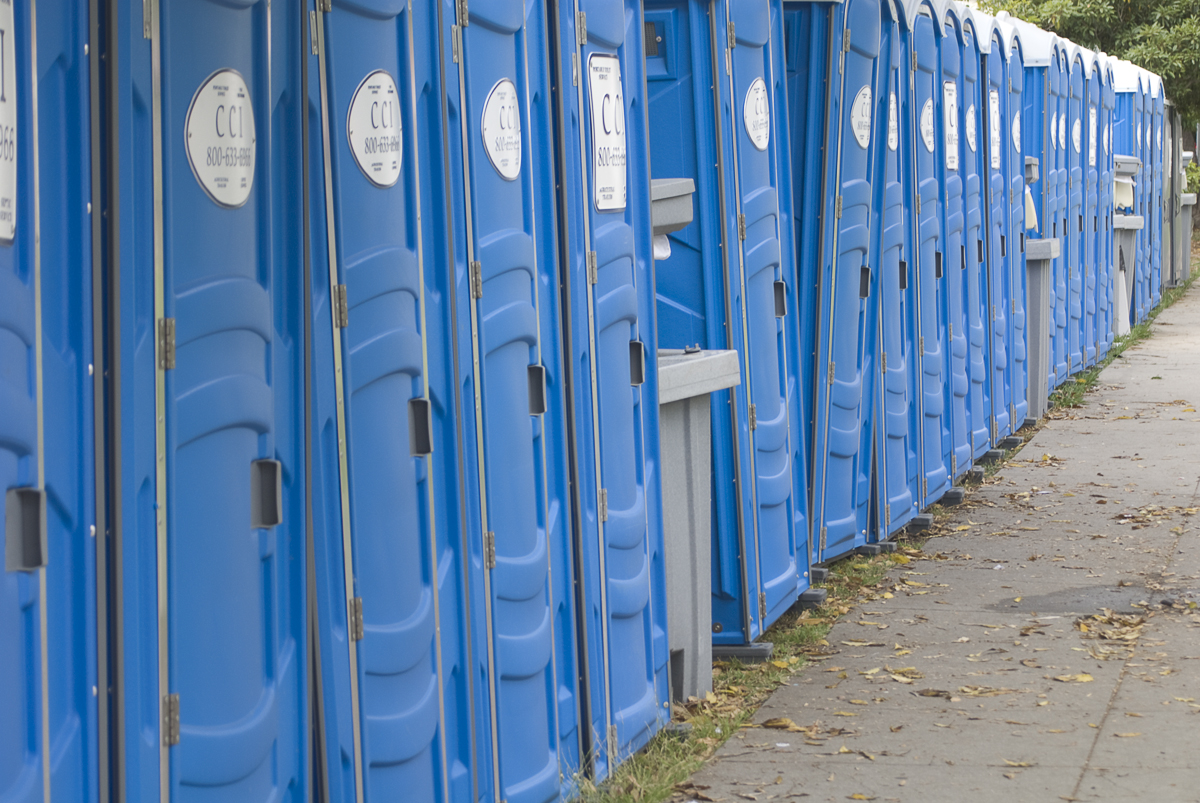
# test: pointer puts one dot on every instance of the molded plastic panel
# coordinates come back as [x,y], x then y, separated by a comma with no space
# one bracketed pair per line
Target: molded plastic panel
[998,265]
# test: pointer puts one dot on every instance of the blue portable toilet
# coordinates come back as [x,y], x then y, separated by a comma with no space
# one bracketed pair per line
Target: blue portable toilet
[932,347]
[49,713]
[996,242]
[1125,138]
[1060,75]
[511,394]
[895,423]
[844,376]
[1014,161]
[977,28]
[1073,243]
[396,692]
[949,125]
[1155,153]
[730,282]
[208,335]
[1106,299]
[1144,187]
[1089,263]
[608,293]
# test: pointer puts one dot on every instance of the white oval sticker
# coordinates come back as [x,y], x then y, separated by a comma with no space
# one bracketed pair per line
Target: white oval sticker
[375,130]
[950,123]
[1138,141]
[1160,138]
[756,114]
[608,132]
[1054,130]
[994,127]
[927,125]
[220,137]
[860,117]
[893,131]
[1092,137]
[971,126]
[502,129]
[1075,135]
[1108,139]
[8,131]
[1062,131]
[1016,131]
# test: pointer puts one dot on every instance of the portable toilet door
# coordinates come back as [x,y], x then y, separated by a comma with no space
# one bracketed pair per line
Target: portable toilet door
[67,188]
[997,265]
[845,318]
[395,702]
[1143,191]
[1014,143]
[608,311]
[896,422]
[935,438]
[954,249]
[25,727]
[1156,159]
[1061,92]
[1104,211]
[210,542]
[511,387]
[975,295]
[1073,243]
[1090,264]
[1124,129]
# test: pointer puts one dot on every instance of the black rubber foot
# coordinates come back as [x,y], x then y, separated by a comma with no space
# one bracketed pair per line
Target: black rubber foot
[921,521]
[1030,423]
[746,653]
[818,574]
[887,547]
[975,474]
[812,598]
[869,550]
[953,496]
[1011,442]
[993,455]
[679,730]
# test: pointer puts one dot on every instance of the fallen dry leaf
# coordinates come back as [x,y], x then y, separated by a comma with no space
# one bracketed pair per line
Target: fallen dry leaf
[1082,677]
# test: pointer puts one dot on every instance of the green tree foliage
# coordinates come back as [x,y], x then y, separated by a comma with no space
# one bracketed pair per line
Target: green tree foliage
[1163,36]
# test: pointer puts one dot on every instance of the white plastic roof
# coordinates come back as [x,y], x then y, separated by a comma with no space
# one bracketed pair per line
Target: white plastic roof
[913,7]
[1156,85]
[1008,35]
[1036,45]
[985,25]
[1125,76]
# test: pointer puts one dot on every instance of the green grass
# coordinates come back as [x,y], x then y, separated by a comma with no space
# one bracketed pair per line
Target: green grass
[1071,392]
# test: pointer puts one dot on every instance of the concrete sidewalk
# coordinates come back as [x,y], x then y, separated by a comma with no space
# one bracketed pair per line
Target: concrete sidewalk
[971,679]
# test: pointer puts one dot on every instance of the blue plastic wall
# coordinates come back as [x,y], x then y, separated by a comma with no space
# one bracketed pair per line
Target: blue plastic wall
[1018,401]
[1106,298]
[1073,245]
[949,125]
[1156,201]
[1059,78]
[895,421]
[998,265]
[975,289]
[844,374]
[615,414]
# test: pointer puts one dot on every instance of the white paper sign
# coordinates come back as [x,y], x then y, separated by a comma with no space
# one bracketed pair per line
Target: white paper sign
[609,173]
[860,117]
[1016,131]
[1075,128]
[8,126]
[994,127]
[1062,131]
[502,129]
[893,131]
[756,114]
[221,144]
[950,123]
[971,126]
[927,125]
[1054,131]
[374,128]
[1092,137]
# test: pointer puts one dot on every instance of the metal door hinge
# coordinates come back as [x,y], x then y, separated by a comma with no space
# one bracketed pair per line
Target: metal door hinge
[953,465]
[824,533]
[924,487]
[753,417]
[357,630]
[602,504]
[341,306]
[762,605]
[455,43]
[312,31]
[732,37]
[476,279]
[832,368]
[592,270]
[741,227]
[147,16]
[612,744]
[883,361]
[574,68]
[463,19]
[921,344]
[581,26]
[489,549]
[887,515]
[837,207]
[914,60]
[1014,306]
[166,343]
[846,41]
[950,327]
[325,5]
[170,720]
[918,205]
[994,429]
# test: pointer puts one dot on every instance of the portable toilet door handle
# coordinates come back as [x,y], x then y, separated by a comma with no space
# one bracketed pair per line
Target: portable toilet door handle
[24,529]
[266,493]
